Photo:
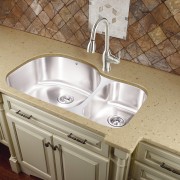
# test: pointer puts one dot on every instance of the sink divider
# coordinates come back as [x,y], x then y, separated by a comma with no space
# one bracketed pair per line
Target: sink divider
[79,108]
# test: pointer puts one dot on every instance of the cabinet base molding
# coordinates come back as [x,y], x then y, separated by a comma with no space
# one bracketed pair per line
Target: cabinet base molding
[14,165]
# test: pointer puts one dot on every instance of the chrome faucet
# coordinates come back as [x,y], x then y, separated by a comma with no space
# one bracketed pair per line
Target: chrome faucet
[107,57]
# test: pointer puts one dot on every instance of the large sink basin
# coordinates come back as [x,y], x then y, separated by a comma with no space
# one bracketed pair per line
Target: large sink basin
[79,88]
[57,80]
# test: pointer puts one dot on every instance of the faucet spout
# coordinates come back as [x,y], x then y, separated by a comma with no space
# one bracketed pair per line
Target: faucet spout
[107,57]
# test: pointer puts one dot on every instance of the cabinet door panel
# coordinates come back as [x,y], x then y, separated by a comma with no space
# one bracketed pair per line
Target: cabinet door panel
[79,163]
[30,149]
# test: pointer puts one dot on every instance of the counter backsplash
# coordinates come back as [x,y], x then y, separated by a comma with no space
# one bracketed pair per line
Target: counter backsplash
[153,30]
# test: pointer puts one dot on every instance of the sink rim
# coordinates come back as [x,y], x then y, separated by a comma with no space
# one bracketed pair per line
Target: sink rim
[100,73]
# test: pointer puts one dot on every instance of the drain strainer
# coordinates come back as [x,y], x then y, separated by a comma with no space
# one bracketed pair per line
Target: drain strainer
[66,99]
[116,121]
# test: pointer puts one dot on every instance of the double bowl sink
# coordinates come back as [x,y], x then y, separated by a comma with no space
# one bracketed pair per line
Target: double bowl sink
[79,88]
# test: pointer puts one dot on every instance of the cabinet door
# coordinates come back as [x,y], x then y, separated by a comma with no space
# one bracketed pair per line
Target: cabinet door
[29,143]
[78,163]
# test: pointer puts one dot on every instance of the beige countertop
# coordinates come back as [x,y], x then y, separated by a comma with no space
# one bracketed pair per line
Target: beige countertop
[158,120]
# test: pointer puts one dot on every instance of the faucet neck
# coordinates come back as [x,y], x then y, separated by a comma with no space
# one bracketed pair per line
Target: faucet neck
[94,29]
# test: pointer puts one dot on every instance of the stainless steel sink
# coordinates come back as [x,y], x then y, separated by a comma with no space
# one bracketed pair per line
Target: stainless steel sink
[79,88]
[115,104]
[57,80]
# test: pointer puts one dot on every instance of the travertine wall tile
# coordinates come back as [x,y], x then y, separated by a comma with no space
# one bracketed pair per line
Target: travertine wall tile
[153,37]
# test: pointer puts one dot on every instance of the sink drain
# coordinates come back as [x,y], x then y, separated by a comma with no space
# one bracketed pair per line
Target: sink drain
[116,121]
[66,99]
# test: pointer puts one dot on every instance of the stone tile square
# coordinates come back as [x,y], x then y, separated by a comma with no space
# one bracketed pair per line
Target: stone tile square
[134,50]
[44,17]
[57,5]
[52,28]
[58,21]
[73,7]
[175,40]
[36,7]
[65,14]
[44,32]
[154,55]
[74,41]
[166,48]
[29,2]
[131,19]
[73,25]
[25,21]
[49,10]
[82,3]
[16,11]
[59,37]
[174,60]
[85,9]
[66,32]
[151,4]
[145,43]
[80,37]
[30,14]
[148,23]
[19,26]
[173,6]
[157,35]
[163,65]
[22,4]
[177,18]
[115,45]
[138,9]
[161,13]
[136,30]
[125,55]
[170,27]
[129,40]
[144,60]
[80,18]
[36,26]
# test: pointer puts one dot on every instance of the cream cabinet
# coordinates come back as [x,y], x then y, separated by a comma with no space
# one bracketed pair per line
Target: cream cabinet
[41,152]
[51,148]
[151,162]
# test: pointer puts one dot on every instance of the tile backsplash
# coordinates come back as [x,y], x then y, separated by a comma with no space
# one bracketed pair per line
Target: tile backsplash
[153,37]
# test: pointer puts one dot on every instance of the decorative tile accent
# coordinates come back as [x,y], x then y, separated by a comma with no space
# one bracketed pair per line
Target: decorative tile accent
[115,11]
[153,37]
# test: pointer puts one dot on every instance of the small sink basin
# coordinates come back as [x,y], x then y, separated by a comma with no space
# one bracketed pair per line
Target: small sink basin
[79,88]
[57,80]
[115,104]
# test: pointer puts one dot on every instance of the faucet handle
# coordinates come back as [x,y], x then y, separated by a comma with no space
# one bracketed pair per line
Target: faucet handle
[114,59]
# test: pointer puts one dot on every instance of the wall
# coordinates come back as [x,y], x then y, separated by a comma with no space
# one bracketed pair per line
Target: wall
[153,30]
